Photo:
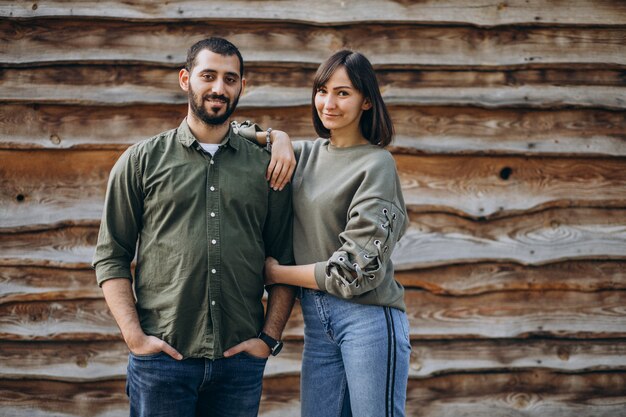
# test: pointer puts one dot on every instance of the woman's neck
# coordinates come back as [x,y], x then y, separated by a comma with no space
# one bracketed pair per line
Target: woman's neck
[342,139]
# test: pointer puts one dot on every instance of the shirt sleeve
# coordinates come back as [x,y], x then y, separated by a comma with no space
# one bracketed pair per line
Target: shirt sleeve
[121,220]
[361,263]
[278,228]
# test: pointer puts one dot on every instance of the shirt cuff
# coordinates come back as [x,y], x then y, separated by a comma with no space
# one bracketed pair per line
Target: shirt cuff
[104,273]
[320,275]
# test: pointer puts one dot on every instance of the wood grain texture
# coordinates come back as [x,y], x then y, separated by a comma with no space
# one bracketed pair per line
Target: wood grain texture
[487,187]
[516,314]
[107,360]
[97,40]
[480,278]
[432,240]
[535,239]
[420,130]
[528,393]
[20,284]
[533,394]
[332,12]
[49,188]
[272,85]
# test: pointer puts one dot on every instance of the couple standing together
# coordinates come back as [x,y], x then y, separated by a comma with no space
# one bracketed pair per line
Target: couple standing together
[207,215]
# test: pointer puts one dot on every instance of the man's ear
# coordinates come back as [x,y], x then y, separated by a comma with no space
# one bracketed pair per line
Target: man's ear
[243,86]
[367,104]
[183,79]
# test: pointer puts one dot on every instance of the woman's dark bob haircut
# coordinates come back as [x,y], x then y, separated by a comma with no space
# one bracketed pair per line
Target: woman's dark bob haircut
[376,125]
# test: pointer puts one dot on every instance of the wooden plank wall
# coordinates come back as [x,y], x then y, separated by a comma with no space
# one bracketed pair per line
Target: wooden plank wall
[511,146]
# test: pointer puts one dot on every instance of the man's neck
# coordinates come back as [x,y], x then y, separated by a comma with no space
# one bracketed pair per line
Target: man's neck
[207,133]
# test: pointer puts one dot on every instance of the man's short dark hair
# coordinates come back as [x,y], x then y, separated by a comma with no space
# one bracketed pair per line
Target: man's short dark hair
[217,45]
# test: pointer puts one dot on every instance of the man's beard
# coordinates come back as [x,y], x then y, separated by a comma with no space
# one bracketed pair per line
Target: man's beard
[199,110]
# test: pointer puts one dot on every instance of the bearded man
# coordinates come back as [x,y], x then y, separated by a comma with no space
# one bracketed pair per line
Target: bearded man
[194,204]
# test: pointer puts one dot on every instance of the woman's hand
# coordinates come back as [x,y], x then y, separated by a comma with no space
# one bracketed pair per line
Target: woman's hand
[283,161]
[271,265]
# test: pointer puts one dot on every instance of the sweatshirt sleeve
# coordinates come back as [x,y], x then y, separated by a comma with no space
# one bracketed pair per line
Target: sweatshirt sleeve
[360,265]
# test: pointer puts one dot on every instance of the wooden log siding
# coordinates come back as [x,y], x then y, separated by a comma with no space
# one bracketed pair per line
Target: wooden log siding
[511,144]
[333,12]
[420,130]
[39,41]
[67,187]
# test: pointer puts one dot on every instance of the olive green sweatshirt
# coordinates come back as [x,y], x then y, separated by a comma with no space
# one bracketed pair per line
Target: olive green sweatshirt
[349,214]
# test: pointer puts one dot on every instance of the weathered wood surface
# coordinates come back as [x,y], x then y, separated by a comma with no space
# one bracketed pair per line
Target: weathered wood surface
[99,361]
[23,283]
[43,188]
[519,394]
[536,393]
[479,278]
[27,283]
[431,240]
[426,130]
[332,12]
[98,40]
[515,314]
[288,85]
[535,239]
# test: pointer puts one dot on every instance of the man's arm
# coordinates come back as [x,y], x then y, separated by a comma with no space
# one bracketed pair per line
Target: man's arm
[279,305]
[118,294]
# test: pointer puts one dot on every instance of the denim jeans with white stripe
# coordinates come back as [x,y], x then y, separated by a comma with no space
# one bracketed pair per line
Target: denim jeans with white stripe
[355,360]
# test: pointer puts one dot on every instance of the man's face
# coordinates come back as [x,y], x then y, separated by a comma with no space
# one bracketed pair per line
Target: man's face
[214,87]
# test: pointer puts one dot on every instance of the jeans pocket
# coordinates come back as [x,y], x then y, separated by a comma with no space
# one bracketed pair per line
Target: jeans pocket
[250,356]
[147,356]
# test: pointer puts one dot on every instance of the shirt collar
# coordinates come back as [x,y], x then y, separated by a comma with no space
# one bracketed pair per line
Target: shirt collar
[186,138]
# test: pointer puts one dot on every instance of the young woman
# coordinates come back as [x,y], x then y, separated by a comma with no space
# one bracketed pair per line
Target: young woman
[348,215]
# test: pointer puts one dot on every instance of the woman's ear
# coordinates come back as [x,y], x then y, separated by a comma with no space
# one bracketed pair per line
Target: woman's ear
[367,104]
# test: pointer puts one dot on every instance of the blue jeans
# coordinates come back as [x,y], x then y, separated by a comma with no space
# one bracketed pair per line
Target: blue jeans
[355,360]
[158,385]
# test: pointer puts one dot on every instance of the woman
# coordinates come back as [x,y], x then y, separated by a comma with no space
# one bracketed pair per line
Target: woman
[348,215]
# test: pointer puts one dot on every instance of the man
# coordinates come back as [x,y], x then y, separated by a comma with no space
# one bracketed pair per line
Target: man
[196,205]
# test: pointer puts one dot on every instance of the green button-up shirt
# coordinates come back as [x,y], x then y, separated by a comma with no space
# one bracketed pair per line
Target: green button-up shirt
[202,227]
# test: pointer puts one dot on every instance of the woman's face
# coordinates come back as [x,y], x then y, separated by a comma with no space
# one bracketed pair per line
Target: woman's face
[339,105]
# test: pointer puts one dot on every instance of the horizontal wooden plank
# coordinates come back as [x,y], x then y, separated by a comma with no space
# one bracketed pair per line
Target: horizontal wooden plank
[23,283]
[512,314]
[332,12]
[487,187]
[19,284]
[536,239]
[486,277]
[94,361]
[432,240]
[271,86]
[531,394]
[43,188]
[420,130]
[101,40]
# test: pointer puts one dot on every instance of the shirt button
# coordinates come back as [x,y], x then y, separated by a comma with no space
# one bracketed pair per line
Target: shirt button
[212,303]
[212,188]
[213,271]
[214,241]
[212,214]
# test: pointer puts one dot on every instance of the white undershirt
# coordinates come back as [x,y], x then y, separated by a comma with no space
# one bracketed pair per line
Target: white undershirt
[210,147]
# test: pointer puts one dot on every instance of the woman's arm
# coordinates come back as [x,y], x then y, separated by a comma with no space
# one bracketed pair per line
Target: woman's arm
[283,162]
[298,275]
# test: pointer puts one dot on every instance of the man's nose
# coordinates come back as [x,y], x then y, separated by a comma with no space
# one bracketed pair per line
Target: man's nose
[217,87]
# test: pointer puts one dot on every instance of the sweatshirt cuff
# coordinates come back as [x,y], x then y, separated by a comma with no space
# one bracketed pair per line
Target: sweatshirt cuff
[320,275]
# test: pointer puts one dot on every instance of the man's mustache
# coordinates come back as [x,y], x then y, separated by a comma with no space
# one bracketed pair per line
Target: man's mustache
[216,97]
